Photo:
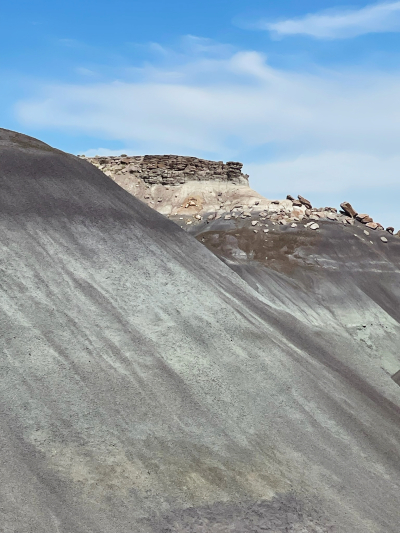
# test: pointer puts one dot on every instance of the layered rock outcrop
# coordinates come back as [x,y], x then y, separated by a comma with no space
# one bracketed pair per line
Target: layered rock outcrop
[171,169]
[190,190]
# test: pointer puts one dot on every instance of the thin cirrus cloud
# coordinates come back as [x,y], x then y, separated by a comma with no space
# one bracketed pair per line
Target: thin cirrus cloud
[339,24]
[331,131]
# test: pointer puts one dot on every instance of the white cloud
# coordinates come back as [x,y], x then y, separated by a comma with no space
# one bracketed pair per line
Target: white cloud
[338,24]
[345,125]
[329,172]
[239,97]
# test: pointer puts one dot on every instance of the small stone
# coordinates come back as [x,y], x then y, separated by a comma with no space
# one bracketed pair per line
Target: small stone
[254,223]
[384,239]
[227,217]
[255,230]
[198,217]
[304,201]
[372,225]
[390,230]
[367,220]
[294,225]
[348,209]
[366,232]
[314,226]
[290,197]
[266,230]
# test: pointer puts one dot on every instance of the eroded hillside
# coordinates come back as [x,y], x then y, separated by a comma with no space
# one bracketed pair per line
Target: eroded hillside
[147,385]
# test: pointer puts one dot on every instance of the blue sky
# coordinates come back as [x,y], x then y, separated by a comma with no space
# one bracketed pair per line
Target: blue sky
[304,93]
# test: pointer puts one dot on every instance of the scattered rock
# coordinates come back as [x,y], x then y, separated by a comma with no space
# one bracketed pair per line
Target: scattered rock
[372,225]
[227,217]
[390,230]
[366,232]
[304,201]
[294,225]
[384,239]
[348,209]
[331,216]
[290,197]
[266,230]
[367,220]
[254,223]
[314,226]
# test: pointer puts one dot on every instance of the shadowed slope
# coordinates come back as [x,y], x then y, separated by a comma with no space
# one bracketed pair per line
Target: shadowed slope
[141,376]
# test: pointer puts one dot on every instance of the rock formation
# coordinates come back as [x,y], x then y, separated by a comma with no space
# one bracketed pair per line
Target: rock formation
[190,191]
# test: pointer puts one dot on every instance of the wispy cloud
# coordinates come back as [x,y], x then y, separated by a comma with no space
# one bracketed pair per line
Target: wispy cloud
[330,131]
[339,24]
[241,96]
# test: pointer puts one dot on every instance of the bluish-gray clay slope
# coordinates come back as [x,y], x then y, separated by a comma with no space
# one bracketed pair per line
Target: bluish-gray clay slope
[146,386]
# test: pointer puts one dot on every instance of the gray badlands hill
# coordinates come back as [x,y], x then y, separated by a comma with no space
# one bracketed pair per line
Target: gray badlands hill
[147,385]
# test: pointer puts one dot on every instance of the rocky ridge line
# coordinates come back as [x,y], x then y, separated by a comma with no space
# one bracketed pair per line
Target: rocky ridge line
[171,169]
[191,190]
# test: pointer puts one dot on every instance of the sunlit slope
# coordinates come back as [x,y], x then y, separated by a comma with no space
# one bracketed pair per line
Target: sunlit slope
[140,375]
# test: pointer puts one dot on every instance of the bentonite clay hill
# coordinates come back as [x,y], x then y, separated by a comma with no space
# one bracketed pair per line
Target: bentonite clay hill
[147,387]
